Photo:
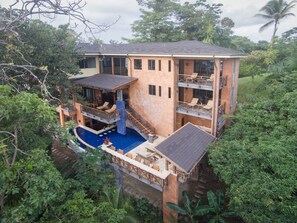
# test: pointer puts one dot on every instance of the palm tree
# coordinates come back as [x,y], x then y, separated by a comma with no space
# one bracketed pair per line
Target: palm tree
[216,207]
[118,201]
[274,11]
[192,211]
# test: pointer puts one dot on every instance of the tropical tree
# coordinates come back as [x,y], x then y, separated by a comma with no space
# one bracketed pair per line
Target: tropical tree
[190,210]
[94,171]
[169,20]
[275,11]
[216,207]
[119,203]
[155,23]
[257,157]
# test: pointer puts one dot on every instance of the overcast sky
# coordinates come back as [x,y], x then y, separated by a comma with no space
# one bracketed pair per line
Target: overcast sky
[241,12]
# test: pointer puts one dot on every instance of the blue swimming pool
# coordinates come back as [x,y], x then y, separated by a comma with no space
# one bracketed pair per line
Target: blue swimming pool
[125,142]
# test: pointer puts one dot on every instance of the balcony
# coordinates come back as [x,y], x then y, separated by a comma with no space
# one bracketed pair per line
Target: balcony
[199,111]
[100,115]
[202,82]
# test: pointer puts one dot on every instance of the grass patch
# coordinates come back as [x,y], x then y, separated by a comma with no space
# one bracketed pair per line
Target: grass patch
[247,88]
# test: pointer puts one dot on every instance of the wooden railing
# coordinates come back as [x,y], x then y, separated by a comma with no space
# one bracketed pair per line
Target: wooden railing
[99,113]
[140,169]
[197,110]
[222,109]
[200,80]
[146,124]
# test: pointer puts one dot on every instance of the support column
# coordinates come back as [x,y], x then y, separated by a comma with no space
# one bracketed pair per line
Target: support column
[62,117]
[216,95]
[170,194]
[79,116]
[112,65]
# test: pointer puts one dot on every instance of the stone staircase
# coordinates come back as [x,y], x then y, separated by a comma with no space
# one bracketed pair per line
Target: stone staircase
[139,123]
[201,186]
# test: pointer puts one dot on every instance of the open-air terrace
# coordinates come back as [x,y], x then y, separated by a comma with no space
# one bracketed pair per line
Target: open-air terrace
[197,81]
[142,163]
[101,115]
[198,110]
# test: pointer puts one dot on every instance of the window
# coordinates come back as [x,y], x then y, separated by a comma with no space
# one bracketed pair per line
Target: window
[160,91]
[169,65]
[152,89]
[88,62]
[203,95]
[137,64]
[204,67]
[89,94]
[160,65]
[169,92]
[151,65]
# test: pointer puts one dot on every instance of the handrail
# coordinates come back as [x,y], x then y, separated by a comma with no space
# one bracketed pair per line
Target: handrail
[222,109]
[100,113]
[200,79]
[142,120]
[140,169]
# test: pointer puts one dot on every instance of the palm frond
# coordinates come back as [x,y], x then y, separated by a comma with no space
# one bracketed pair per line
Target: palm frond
[186,201]
[266,25]
[263,16]
[176,208]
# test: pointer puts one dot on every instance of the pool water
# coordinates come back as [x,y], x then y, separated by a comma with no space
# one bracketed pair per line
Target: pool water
[125,142]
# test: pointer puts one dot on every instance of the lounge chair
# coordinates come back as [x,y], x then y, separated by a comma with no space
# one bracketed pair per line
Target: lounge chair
[194,102]
[209,105]
[104,106]
[192,77]
[120,151]
[112,109]
[210,79]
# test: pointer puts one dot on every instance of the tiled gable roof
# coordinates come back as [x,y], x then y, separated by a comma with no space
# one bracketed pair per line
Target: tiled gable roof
[186,146]
[161,48]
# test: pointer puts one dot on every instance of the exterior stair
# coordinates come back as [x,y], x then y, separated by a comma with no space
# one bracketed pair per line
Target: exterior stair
[139,123]
[200,191]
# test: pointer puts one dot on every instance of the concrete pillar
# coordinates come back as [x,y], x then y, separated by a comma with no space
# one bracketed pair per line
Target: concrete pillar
[112,65]
[79,116]
[62,117]
[170,194]
[216,94]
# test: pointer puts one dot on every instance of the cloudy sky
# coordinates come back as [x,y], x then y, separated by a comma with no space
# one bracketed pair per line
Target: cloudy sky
[241,12]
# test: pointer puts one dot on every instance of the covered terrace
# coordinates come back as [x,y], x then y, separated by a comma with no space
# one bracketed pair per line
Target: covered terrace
[104,93]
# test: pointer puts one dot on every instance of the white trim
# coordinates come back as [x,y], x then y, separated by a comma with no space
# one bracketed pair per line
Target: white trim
[164,55]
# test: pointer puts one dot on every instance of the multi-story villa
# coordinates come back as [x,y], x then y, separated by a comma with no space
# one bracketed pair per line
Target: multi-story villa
[175,95]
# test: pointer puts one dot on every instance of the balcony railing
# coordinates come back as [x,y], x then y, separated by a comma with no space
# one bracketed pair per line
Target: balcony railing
[198,82]
[197,111]
[100,115]
[134,167]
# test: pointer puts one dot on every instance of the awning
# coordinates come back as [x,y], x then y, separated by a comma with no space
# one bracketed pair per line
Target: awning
[186,147]
[107,82]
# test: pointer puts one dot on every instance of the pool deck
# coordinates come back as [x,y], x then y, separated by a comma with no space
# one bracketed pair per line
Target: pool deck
[143,157]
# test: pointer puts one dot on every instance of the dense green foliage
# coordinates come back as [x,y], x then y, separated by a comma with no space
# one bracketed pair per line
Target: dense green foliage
[146,212]
[36,56]
[169,20]
[257,156]
[213,212]
[93,171]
